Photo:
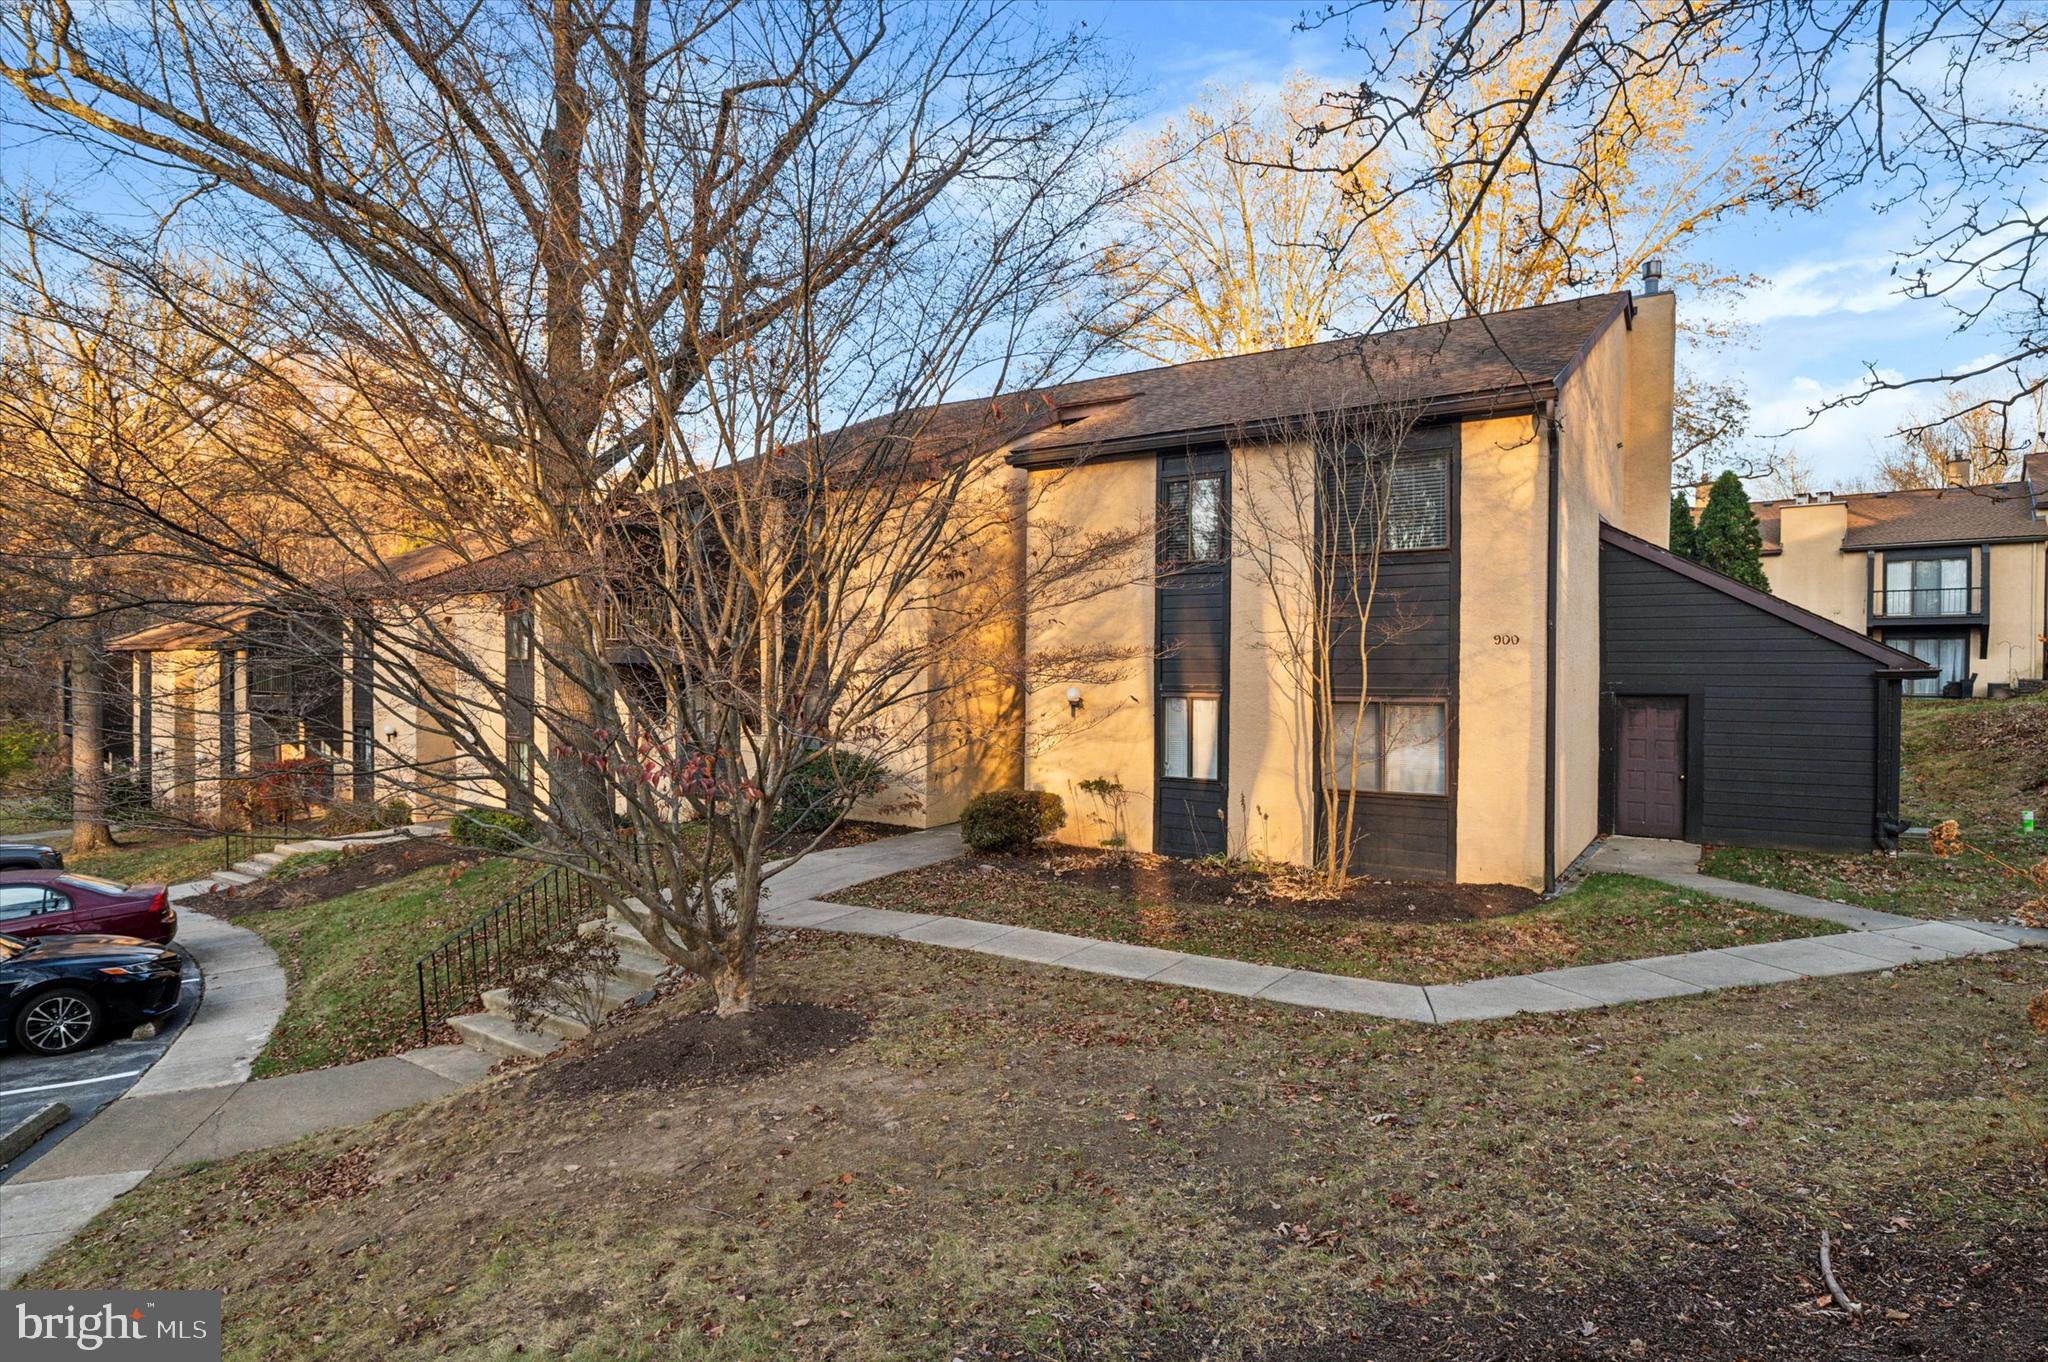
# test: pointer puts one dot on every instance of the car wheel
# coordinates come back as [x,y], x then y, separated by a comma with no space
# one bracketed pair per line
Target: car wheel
[57,1022]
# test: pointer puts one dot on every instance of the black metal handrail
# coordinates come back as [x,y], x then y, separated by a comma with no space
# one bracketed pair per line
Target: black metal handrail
[1926,602]
[498,940]
[235,845]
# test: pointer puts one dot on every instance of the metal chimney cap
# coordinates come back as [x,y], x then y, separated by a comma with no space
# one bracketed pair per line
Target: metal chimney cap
[1653,275]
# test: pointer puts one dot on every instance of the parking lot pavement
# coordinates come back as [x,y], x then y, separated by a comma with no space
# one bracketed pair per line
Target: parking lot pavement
[87,1079]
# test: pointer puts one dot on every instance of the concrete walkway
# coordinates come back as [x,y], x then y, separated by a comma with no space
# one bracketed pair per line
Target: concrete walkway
[1875,941]
[198,1102]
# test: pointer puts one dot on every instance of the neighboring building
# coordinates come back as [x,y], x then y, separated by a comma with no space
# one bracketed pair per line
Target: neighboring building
[1956,576]
[1551,671]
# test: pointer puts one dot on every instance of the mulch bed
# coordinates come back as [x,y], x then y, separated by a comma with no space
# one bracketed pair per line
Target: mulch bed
[702,1047]
[354,871]
[1169,879]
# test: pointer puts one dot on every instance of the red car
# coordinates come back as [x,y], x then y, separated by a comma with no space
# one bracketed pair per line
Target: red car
[37,903]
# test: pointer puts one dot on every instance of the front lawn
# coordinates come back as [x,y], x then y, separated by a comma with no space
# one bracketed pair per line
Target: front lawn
[348,960]
[1608,917]
[998,1161]
[1979,762]
[151,858]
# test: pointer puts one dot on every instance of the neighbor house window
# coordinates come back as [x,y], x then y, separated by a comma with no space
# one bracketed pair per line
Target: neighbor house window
[1191,520]
[1388,747]
[1188,737]
[519,636]
[1413,489]
[1927,586]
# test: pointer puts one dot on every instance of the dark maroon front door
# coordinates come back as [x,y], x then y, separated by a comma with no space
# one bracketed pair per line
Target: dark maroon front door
[1650,784]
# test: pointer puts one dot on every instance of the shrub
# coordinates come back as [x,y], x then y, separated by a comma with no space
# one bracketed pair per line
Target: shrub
[283,790]
[490,830]
[1011,820]
[819,792]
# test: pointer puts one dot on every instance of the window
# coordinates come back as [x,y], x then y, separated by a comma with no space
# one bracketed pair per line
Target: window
[519,757]
[1388,747]
[1187,737]
[1927,586]
[19,901]
[519,634]
[1191,526]
[1951,654]
[1414,490]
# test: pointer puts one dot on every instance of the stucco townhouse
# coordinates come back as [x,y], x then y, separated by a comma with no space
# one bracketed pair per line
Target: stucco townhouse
[1957,575]
[1556,673]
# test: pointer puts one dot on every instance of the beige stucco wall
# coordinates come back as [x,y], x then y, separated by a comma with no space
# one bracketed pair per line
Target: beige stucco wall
[185,728]
[1651,340]
[1111,736]
[1271,725]
[1812,572]
[1502,490]
[2016,616]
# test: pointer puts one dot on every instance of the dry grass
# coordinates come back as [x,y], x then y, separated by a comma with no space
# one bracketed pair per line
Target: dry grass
[1607,917]
[1031,1162]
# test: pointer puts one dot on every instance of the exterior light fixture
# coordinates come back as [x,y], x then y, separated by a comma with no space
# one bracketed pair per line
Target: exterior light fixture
[1073,700]
[391,734]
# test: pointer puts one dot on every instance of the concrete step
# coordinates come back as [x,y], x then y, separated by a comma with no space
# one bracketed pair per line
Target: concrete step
[639,963]
[266,859]
[232,878]
[617,993]
[251,869]
[497,1035]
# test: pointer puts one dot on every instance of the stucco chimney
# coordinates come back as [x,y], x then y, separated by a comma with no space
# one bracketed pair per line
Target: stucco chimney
[1701,490]
[1958,470]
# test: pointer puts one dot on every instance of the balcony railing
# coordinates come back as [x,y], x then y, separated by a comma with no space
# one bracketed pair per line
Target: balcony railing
[1927,602]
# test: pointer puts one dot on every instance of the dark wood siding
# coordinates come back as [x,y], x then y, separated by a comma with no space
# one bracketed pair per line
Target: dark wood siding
[1412,654]
[1193,606]
[1786,743]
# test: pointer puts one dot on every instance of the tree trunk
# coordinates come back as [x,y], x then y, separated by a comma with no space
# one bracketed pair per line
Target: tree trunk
[733,982]
[89,831]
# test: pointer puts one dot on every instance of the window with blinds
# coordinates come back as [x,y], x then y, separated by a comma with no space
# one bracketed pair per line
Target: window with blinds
[1411,492]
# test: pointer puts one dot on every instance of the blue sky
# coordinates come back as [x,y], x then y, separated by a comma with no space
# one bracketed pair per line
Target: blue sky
[1830,310]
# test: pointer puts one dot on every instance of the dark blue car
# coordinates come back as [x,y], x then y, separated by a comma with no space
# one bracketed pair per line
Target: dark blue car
[62,992]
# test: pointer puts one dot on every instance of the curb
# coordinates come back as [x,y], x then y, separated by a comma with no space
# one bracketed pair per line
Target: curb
[16,1139]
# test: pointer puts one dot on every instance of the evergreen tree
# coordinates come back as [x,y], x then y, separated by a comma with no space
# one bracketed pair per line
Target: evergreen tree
[1683,538]
[1727,538]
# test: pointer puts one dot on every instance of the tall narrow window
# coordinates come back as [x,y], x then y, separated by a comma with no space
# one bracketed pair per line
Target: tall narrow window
[1189,747]
[1191,520]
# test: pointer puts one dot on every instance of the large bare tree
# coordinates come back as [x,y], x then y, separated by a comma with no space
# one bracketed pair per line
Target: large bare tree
[588,288]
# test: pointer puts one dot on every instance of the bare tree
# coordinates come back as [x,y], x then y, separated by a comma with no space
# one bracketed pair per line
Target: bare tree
[1963,438]
[642,314]
[1316,512]
[1927,107]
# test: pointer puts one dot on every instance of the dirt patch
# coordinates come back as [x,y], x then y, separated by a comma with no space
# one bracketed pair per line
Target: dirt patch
[1751,1291]
[1170,879]
[354,870]
[701,1048]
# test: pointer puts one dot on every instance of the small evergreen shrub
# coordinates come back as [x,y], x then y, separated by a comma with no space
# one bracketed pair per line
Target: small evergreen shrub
[490,830]
[818,793]
[1011,820]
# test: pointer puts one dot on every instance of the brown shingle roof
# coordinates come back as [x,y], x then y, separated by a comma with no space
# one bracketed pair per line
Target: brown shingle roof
[1506,361]
[2001,512]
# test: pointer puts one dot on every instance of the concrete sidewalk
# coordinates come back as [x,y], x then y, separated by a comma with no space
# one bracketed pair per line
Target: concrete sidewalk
[198,1102]
[1876,941]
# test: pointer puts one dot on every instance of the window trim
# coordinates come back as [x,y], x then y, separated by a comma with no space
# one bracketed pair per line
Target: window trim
[1443,707]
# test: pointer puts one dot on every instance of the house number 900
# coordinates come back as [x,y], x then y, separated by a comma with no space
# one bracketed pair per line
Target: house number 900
[1507,640]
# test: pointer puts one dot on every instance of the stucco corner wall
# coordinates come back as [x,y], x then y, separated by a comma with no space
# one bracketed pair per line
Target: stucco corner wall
[1111,736]
[1812,572]
[1501,528]
[1272,766]
[2018,614]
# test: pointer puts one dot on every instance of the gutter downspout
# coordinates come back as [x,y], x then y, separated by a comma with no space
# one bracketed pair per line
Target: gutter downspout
[1548,413]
